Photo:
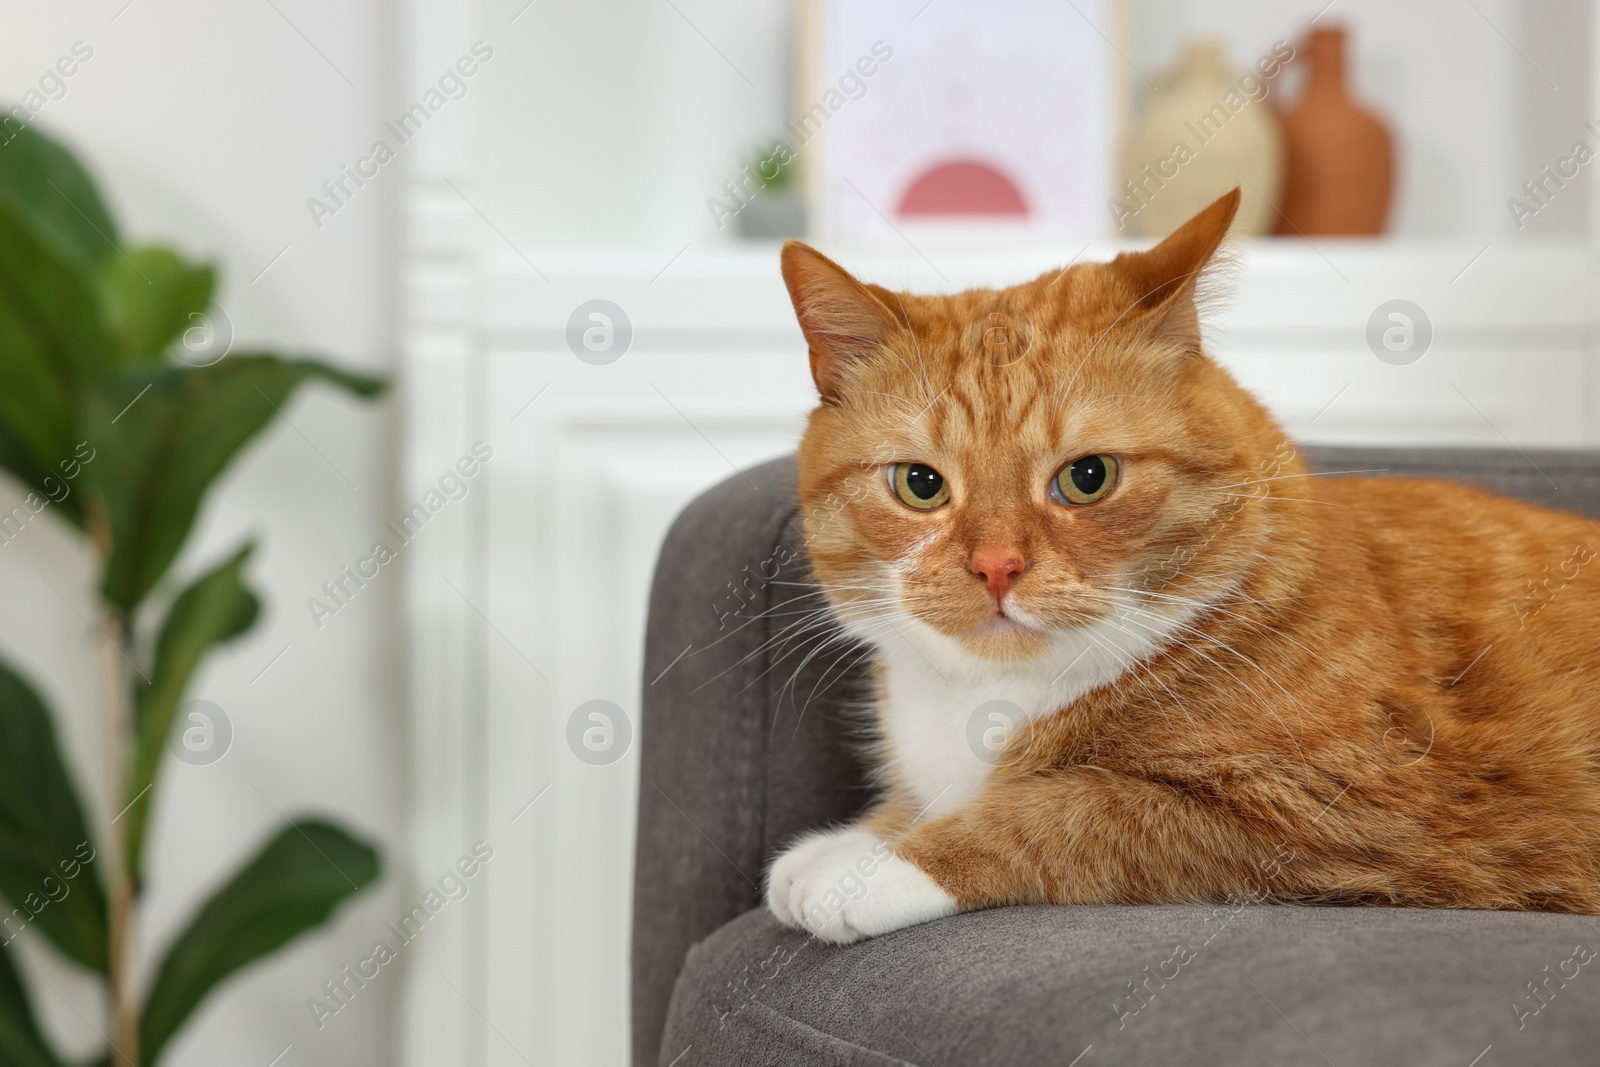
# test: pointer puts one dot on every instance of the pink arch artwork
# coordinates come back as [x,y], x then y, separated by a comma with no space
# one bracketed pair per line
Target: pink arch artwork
[963,187]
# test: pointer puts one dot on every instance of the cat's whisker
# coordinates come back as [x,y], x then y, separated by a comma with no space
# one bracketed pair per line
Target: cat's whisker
[1256,624]
[867,631]
[844,669]
[1286,499]
[818,620]
[747,620]
[1305,474]
[1211,638]
[1190,646]
[1135,668]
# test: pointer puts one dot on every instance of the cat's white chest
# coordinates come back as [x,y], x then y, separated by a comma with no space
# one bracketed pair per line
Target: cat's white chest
[927,725]
[942,729]
[943,732]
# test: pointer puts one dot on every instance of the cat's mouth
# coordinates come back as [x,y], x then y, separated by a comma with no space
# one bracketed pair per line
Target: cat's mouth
[1004,622]
[1006,636]
[1010,621]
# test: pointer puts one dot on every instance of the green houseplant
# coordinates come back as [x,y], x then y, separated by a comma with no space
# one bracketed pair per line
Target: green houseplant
[776,207]
[113,434]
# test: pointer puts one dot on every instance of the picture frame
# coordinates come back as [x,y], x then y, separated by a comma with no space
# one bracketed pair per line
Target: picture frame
[934,120]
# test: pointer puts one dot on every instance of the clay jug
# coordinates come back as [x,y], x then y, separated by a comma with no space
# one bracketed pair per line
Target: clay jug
[1204,130]
[1340,160]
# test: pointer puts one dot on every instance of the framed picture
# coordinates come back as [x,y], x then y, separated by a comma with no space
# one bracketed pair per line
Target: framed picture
[947,117]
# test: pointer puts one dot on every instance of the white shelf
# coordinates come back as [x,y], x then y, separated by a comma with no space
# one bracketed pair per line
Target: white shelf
[1510,324]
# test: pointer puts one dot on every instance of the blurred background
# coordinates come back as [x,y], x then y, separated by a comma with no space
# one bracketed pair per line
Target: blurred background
[563,259]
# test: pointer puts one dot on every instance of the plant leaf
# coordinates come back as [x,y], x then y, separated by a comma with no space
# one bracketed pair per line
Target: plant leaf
[44,843]
[163,435]
[292,886]
[21,1044]
[42,178]
[52,338]
[44,482]
[216,608]
[151,297]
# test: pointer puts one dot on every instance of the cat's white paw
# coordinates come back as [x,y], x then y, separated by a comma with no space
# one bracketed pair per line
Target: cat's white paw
[848,884]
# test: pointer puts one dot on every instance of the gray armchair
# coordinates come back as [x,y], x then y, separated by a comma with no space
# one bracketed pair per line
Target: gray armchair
[750,729]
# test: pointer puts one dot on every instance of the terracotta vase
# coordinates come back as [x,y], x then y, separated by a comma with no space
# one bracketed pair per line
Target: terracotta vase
[1204,130]
[1340,158]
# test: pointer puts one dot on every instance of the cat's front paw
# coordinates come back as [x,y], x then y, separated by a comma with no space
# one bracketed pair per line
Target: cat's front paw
[848,884]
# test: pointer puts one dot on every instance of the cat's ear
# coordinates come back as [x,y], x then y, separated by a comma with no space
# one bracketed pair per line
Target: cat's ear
[1165,277]
[842,319]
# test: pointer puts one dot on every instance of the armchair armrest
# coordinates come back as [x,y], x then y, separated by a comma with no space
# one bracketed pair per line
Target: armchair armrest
[744,740]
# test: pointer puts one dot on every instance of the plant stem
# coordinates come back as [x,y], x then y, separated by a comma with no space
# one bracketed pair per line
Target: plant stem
[119,727]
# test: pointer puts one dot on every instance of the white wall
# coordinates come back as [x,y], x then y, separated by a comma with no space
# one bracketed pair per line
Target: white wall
[209,125]
[617,120]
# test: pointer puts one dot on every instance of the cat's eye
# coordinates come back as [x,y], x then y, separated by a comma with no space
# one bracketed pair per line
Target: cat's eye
[918,485]
[1085,480]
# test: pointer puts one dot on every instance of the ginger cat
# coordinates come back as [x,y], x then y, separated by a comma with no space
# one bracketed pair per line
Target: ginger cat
[1070,536]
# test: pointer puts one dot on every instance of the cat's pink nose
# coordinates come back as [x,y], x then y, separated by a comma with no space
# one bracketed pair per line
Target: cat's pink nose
[996,566]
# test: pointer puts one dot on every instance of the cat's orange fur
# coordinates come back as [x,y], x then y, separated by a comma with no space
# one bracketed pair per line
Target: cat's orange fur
[1361,701]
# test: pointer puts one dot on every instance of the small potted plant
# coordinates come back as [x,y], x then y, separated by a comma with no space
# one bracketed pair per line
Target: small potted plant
[776,210]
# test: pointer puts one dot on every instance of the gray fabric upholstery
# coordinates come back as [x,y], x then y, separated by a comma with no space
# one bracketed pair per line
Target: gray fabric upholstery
[1040,985]
[750,719]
